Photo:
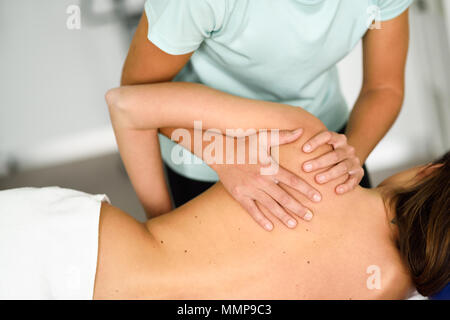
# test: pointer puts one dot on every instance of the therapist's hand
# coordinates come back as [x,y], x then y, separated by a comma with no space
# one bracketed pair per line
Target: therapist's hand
[343,160]
[251,189]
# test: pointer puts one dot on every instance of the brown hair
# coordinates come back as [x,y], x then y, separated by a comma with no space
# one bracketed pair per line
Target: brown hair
[423,221]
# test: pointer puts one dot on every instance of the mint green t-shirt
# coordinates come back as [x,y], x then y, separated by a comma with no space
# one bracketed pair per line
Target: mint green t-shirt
[284,51]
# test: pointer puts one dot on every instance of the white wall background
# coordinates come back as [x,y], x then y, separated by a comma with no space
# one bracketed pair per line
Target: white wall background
[53,79]
[52,82]
[446,5]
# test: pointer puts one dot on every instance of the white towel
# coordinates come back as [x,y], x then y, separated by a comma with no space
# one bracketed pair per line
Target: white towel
[48,243]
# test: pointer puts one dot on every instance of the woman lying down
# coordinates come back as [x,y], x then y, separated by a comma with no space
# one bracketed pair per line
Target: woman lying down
[368,244]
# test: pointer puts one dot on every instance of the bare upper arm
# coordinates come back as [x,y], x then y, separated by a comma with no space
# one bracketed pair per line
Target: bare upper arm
[146,63]
[385,52]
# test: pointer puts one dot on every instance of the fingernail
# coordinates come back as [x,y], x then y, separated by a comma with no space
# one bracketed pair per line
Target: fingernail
[297,131]
[317,197]
[268,226]
[307,147]
[321,178]
[340,190]
[308,216]
[307,167]
[292,223]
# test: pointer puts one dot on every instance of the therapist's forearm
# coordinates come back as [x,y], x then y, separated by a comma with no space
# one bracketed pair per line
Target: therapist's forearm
[373,115]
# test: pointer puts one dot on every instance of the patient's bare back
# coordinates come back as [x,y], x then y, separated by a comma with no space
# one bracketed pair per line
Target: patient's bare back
[211,249]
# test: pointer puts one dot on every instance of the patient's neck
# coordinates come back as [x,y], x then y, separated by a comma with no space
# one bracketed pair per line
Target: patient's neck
[373,202]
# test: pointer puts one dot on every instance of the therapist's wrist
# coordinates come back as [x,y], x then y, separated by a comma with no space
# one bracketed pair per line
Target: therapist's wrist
[361,155]
[360,150]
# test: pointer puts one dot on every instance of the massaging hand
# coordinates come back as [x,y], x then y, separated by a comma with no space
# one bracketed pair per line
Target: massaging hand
[252,190]
[342,158]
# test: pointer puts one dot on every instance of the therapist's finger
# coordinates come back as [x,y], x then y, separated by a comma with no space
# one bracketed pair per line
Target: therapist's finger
[298,184]
[337,140]
[285,137]
[250,206]
[335,172]
[316,141]
[349,185]
[288,202]
[275,209]
[326,160]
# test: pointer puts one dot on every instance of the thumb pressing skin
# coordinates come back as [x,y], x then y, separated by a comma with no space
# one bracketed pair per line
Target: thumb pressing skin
[285,137]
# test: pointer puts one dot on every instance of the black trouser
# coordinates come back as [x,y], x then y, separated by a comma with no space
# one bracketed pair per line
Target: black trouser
[185,189]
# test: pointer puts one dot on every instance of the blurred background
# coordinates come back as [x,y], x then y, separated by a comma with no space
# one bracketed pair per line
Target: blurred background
[54,125]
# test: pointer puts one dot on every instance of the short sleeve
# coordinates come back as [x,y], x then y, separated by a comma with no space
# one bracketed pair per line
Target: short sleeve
[390,9]
[180,26]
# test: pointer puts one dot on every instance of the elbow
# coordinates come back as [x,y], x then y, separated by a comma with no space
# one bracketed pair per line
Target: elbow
[397,94]
[112,97]
[394,92]
[116,101]
[116,107]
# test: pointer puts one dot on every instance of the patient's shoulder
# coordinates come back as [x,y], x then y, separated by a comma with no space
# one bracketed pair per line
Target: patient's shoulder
[399,287]
[396,280]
